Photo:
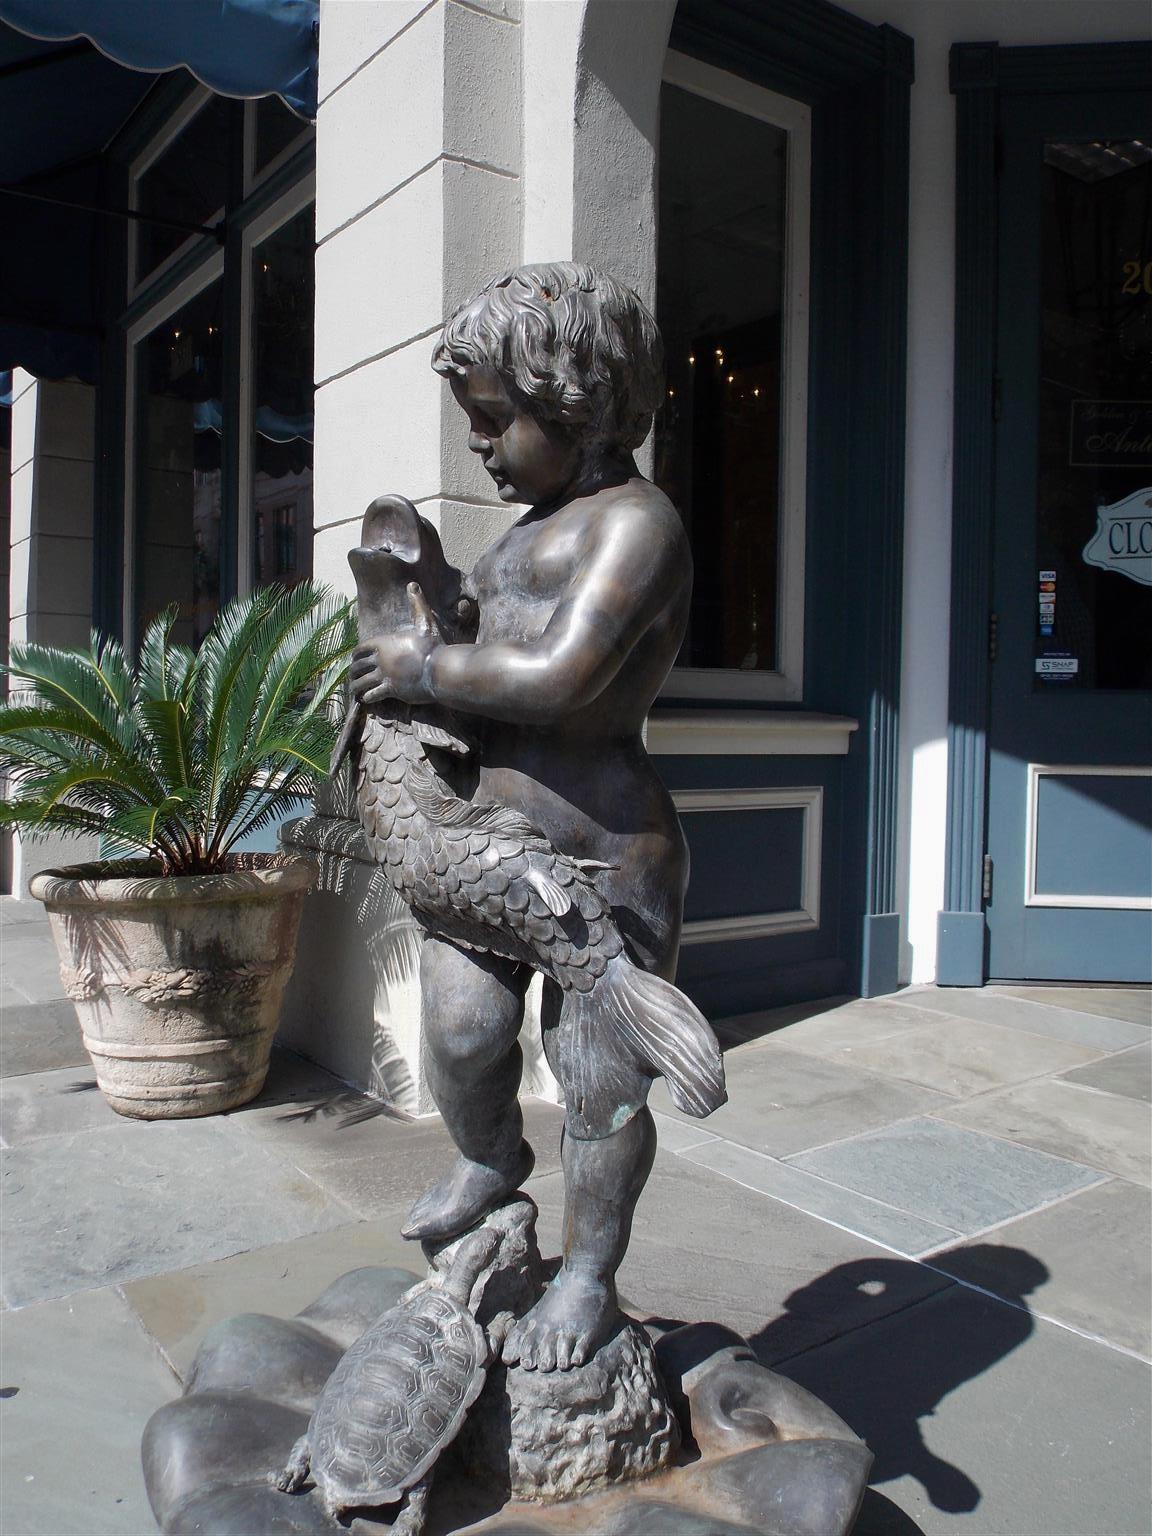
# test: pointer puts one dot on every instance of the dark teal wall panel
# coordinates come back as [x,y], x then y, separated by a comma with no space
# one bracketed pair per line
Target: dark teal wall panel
[744,861]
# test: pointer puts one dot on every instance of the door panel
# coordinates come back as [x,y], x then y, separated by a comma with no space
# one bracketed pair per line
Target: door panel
[1070,787]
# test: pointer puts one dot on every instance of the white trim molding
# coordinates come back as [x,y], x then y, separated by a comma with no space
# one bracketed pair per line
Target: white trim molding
[1034,898]
[760,925]
[747,733]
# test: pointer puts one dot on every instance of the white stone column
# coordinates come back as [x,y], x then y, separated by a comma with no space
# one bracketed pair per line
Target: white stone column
[418,156]
[50,570]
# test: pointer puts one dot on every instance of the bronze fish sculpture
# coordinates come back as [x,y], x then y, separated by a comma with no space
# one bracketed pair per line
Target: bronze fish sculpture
[482,876]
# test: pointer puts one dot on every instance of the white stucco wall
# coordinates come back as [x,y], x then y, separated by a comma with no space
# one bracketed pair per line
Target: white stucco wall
[935,25]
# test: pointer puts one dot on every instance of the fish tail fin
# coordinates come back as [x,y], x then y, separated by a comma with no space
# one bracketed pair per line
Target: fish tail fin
[667,1032]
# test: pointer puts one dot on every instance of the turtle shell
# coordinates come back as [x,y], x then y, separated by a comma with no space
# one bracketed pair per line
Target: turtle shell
[396,1399]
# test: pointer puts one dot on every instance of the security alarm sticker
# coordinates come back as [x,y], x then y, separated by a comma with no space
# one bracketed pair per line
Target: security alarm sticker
[1057,667]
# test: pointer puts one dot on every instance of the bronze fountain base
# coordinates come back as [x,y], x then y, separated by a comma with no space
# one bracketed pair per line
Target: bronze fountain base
[683,1434]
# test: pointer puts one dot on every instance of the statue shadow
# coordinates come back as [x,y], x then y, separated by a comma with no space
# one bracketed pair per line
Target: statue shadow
[884,1361]
[901,1370]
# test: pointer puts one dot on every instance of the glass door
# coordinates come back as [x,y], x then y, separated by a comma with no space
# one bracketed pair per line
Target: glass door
[1070,785]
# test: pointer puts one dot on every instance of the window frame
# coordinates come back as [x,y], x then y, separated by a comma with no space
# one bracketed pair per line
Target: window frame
[197,263]
[192,105]
[258,229]
[784,683]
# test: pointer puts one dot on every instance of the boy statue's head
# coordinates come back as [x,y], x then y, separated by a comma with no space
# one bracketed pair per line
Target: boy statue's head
[573,348]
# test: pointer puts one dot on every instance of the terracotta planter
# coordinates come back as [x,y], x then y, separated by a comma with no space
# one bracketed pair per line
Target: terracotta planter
[177,980]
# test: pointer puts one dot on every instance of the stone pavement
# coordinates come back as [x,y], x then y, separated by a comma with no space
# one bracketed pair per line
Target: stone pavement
[931,1209]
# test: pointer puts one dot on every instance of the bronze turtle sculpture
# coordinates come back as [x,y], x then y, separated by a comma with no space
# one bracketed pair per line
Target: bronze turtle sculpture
[398,1396]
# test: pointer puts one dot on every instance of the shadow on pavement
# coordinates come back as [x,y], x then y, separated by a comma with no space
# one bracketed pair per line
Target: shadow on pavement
[885,1378]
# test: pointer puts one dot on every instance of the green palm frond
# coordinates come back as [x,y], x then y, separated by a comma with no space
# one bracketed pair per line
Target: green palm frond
[185,754]
[163,667]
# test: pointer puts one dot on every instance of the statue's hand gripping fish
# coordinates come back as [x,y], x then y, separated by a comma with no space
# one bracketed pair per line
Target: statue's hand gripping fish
[482,876]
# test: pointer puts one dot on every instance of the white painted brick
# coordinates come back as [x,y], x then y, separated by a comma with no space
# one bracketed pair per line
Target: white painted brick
[510,10]
[22,493]
[448,85]
[25,415]
[383,126]
[330,555]
[19,582]
[60,575]
[378,430]
[351,31]
[380,282]
[467,530]
[63,496]
[481,88]
[67,629]
[67,426]
[22,381]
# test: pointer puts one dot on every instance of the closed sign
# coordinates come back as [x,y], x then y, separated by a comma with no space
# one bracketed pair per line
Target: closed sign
[1123,538]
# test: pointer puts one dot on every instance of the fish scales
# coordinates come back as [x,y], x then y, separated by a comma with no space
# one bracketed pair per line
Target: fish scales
[485,889]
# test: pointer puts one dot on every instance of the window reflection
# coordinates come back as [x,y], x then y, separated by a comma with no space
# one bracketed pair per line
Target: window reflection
[277,126]
[178,480]
[720,301]
[187,182]
[283,290]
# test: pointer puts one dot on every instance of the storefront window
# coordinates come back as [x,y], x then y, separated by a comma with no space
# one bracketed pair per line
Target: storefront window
[187,182]
[178,466]
[219,494]
[277,126]
[729,445]
[283,293]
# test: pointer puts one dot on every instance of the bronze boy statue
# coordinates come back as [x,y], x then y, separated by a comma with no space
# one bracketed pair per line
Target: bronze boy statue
[562,853]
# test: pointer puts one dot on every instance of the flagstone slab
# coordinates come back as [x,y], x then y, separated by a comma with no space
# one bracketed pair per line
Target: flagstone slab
[1100,1130]
[876,1220]
[961,1056]
[56,1103]
[282,1279]
[16,909]
[1128,1073]
[99,1207]
[1131,1003]
[87,1379]
[947,1174]
[859,1022]
[31,965]
[987,1421]
[365,1156]
[782,1101]
[1053,1020]
[39,1037]
[1095,1247]
[674,1135]
[703,1248]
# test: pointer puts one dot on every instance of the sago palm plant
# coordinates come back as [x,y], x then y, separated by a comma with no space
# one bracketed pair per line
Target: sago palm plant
[182,755]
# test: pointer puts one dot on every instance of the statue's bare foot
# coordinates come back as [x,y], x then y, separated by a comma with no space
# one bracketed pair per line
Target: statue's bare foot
[566,1326]
[466,1193]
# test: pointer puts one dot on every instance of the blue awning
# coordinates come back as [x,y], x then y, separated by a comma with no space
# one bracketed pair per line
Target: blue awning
[61,102]
[243,48]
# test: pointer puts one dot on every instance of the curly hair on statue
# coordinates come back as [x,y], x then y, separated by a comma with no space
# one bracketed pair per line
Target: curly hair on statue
[577,346]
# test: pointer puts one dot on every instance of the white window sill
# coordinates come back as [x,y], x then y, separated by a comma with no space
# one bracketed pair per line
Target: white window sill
[747,733]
